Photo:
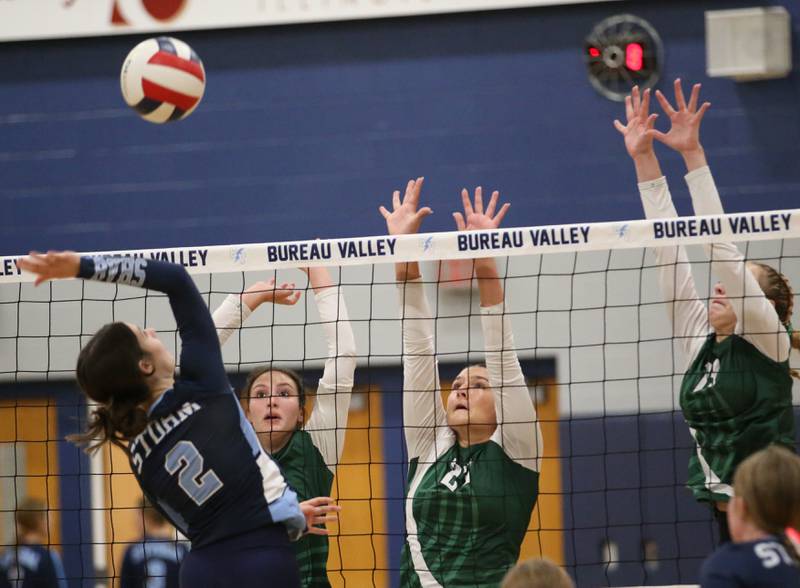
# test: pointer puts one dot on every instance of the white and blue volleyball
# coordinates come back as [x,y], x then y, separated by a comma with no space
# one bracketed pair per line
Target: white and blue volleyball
[162,79]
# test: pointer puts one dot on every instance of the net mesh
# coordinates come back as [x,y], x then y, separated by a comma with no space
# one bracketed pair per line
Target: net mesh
[591,330]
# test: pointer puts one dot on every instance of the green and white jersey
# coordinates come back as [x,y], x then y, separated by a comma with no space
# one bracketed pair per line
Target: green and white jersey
[736,401]
[308,461]
[306,471]
[467,509]
[736,395]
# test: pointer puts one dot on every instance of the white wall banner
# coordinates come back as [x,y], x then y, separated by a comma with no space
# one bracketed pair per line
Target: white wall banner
[43,19]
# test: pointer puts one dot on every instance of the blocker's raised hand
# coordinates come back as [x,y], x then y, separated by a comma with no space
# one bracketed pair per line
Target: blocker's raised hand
[474,218]
[268,291]
[684,134]
[406,217]
[638,130]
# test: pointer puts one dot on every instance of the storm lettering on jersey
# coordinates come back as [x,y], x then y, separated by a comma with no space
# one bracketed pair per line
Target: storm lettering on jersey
[121,270]
[156,431]
[457,477]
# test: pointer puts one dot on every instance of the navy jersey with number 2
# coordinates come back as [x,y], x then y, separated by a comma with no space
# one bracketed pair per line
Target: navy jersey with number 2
[753,564]
[199,460]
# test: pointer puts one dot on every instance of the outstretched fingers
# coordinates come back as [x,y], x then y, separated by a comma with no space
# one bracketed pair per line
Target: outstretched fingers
[701,112]
[319,511]
[416,190]
[423,212]
[37,263]
[492,204]
[465,201]
[665,105]
[479,200]
[656,134]
[680,101]
[694,97]
[460,224]
[320,501]
[644,106]
[500,215]
[628,108]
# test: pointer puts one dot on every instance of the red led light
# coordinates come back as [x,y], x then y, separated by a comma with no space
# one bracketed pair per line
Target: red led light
[633,56]
[594,52]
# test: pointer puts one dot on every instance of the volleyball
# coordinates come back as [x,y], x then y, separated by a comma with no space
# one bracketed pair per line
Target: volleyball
[162,79]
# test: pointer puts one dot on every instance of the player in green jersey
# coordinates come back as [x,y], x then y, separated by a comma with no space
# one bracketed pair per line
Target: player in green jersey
[736,394]
[274,401]
[474,463]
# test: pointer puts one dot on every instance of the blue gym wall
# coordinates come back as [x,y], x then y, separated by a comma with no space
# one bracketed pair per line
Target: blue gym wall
[305,130]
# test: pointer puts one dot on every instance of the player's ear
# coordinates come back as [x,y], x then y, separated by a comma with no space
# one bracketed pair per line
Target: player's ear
[146,366]
[737,508]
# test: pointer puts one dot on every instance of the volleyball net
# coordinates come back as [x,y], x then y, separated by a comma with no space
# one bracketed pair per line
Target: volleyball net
[592,332]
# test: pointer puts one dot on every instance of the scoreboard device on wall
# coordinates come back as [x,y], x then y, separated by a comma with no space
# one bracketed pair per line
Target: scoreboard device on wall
[621,52]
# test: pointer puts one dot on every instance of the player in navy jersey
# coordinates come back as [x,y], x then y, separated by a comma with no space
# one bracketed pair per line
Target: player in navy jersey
[30,564]
[191,448]
[153,562]
[766,502]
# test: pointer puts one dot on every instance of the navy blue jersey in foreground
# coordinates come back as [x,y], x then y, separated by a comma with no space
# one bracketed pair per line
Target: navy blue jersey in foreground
[755,564]
[199,461]
[31,566]
[153,563]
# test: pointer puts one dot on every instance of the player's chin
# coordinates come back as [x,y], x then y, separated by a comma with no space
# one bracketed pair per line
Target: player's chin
[721,319]
[457,416]
[267,426]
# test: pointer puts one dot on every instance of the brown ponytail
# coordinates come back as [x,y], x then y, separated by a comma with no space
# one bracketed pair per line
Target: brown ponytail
[776,288]
[108,373]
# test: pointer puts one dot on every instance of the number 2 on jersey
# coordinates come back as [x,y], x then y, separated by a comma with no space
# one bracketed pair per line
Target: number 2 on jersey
[185,458]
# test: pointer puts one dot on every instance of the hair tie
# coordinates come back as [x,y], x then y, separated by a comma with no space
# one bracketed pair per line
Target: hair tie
[793,535]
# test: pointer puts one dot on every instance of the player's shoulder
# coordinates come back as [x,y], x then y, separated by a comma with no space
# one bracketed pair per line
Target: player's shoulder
[764,562]
[301,446]
[725,564]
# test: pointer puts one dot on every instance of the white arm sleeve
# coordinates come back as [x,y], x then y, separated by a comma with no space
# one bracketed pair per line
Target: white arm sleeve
[518,431]
[422,405]
[757,321]
[229,316]
[688,315]
[328,422]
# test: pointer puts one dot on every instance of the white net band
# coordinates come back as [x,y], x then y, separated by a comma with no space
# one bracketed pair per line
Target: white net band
[697,230]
